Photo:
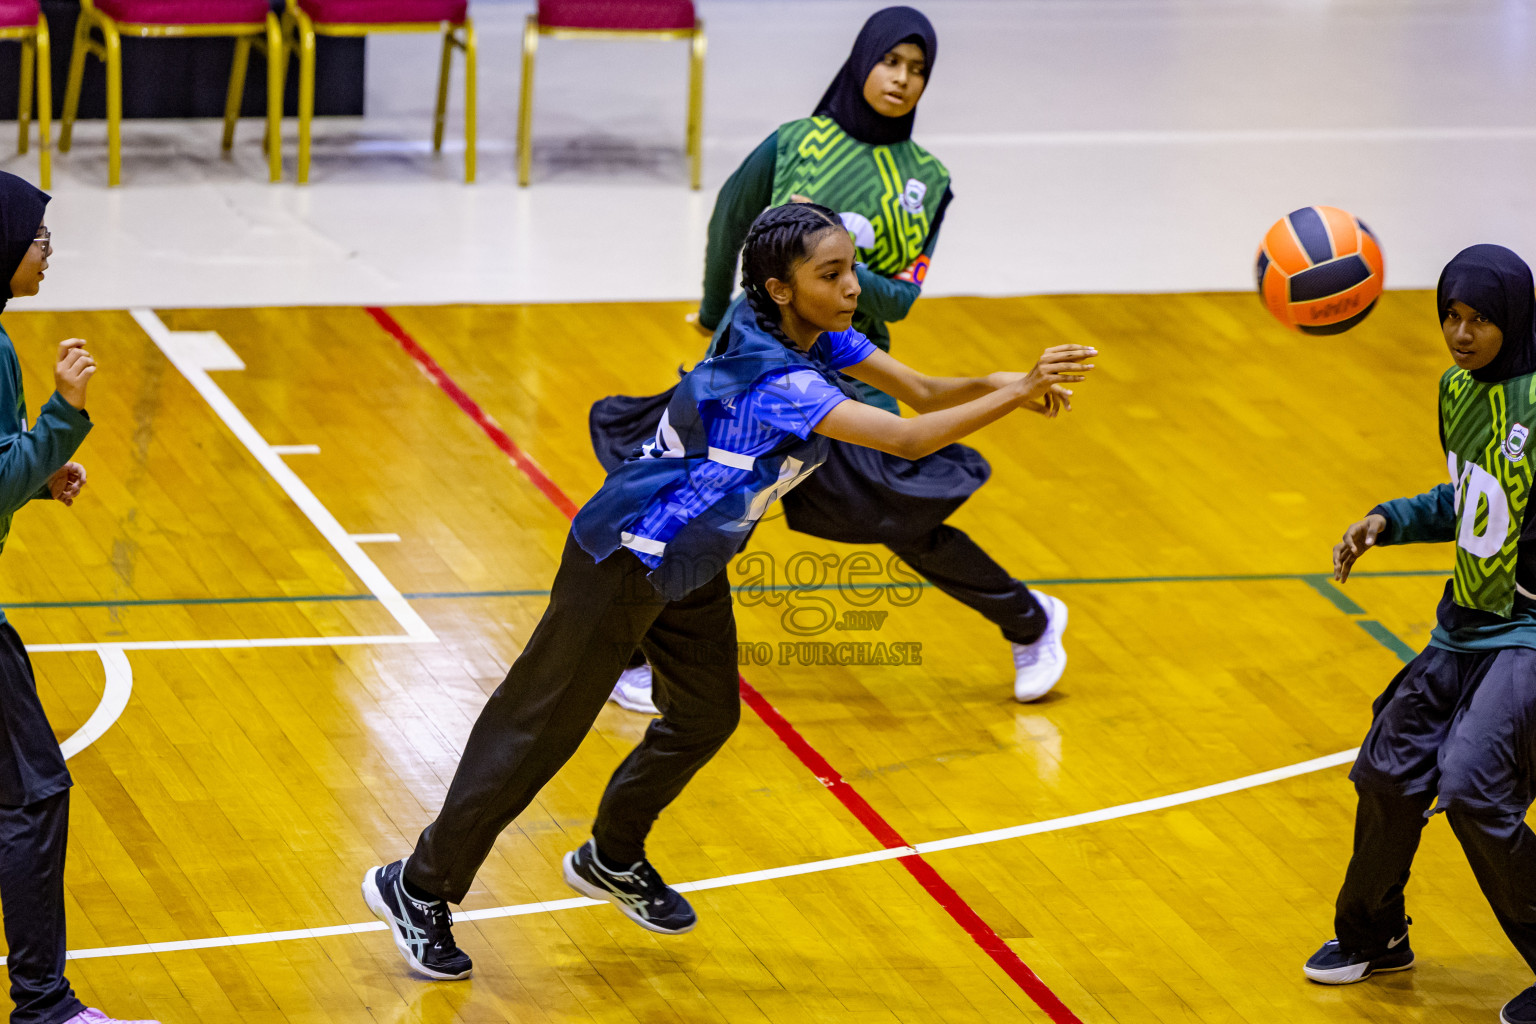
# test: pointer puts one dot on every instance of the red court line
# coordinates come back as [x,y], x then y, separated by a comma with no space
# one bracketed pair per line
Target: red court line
[871,819]
[492,429]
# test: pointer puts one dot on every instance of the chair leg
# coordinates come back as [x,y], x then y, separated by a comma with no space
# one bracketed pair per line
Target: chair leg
[290,34]
[44,104]
[114,47]
[525,100]
[277,61]
[24,100]
[237,71]
[76,74]
[469,101]
[696,105]
[444,66]
[306,33]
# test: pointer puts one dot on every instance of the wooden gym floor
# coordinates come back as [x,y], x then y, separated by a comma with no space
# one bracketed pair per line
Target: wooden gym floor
[298,681]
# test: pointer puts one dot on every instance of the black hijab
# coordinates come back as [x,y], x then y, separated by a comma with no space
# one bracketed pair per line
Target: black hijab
[1497,283]
[844,100]
[21,214]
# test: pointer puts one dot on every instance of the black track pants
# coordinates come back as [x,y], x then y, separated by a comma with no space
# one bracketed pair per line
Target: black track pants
[598,613]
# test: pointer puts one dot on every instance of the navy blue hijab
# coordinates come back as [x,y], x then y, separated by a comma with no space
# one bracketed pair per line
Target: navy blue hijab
[844,100]
[1497,283]
[21,213]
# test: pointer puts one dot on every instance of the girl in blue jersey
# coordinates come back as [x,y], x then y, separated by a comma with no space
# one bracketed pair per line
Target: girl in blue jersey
[856,155]
[644,566]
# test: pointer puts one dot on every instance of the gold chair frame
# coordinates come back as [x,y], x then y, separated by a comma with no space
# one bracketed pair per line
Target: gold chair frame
[265,36]
[532,30]
[300,29]
[36,64]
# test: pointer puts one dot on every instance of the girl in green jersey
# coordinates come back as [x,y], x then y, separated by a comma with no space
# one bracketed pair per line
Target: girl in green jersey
[855,155]
[1456,729]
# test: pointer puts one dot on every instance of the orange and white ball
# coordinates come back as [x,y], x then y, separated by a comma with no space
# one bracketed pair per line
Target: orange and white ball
[1320,270]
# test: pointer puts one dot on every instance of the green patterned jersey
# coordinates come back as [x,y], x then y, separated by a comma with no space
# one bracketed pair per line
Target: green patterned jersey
[1486,429]
[888,196]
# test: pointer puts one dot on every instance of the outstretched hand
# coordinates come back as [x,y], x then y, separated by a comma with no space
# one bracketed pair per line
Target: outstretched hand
[65,484]
[1358,539]
[1056,401]
[1043,389]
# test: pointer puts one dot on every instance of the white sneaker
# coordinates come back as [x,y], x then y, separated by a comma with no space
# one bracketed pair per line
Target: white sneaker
[633,691]
[91,1015]
[1039,665]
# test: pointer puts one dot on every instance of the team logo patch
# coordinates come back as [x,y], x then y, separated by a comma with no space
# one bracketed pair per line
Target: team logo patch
[1514,444]
[912,196]
[916,273]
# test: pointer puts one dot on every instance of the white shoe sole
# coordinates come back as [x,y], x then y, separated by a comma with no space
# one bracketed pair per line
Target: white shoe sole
[376,904]
[591,891]
[1061,631]
[1351,974]
[636,698]
[624,701]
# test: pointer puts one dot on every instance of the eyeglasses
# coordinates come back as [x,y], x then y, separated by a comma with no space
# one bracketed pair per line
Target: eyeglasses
[44,241]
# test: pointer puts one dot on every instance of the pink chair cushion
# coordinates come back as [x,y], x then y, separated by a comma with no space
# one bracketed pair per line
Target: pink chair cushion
[184,12]
[15,13]
[619,15]
[383,12]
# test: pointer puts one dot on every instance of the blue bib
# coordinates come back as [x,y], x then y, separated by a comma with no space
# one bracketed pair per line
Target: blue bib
[680,450]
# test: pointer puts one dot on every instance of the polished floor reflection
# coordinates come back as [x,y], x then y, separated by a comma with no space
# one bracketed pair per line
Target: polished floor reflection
[301,681]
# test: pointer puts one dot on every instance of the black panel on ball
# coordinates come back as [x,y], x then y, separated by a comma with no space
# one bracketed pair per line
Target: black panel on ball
[1341,326]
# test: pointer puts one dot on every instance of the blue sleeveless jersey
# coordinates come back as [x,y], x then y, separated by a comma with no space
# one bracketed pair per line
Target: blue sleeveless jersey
[738,433]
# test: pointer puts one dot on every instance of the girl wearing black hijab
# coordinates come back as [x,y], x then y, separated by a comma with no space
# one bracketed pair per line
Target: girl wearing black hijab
[1458,723]
[855,154]
[34,784]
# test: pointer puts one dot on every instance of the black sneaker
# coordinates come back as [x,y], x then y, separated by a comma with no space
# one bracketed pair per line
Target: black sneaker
[423,932]
[1334,965]
[639,892]
[1521,1009]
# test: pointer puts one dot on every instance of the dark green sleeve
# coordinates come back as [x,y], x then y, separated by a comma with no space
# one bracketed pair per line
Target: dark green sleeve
[885,298]
[1429,518]
[745,194]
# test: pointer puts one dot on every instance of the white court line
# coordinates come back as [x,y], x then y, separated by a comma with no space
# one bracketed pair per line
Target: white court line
[1107,136]
[194,353]
[375,538]
[238,642]
[1200,136]
[1188,796]
[114,698]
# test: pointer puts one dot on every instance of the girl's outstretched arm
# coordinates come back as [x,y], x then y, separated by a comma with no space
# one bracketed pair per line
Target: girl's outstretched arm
[930,394]
[917,436]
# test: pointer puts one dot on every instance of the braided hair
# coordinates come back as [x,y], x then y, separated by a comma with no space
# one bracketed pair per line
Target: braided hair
[778,241]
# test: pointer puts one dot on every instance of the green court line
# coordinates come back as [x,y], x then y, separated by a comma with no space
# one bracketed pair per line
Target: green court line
[1387,639]
[1317,581]
[1324,585]
[153,602]
[1320,582]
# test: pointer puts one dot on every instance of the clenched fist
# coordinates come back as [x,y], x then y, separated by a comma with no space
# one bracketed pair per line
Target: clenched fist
[65,485]
[73,371]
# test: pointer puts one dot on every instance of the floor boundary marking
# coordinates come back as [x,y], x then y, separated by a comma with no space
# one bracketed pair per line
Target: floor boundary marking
[189,356]
[903,853]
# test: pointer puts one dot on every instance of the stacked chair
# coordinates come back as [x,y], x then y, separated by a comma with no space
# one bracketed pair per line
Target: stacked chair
[614,19]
